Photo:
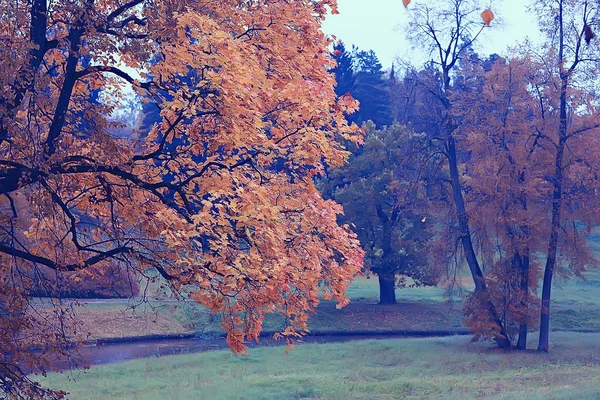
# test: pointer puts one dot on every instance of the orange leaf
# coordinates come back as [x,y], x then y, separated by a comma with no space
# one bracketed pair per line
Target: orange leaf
[487,16]
[406,2]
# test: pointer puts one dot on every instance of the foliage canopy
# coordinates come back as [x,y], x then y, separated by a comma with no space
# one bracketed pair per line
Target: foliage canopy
[217,196]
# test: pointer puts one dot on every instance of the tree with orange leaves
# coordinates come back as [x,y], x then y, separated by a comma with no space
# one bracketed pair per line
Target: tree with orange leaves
[511,128]
[505,185]
[570,125]
[217,195]
[447,30]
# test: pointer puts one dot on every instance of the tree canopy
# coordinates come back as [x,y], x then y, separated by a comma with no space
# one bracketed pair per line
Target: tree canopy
[383,198]
[217,195]
[360,74]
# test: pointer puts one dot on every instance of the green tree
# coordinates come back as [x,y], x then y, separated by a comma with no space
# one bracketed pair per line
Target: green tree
[382,199]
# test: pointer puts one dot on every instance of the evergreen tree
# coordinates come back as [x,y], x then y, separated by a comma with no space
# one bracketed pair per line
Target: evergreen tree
[344,71]
[371,90]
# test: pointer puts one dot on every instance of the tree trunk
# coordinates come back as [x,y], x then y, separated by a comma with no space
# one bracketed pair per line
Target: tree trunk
[524,285]
[387,291]
[544,344]
[386,272]
[463,221]
[467,242]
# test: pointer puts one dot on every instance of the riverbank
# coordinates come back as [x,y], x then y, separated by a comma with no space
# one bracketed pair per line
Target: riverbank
[576,308]
[113,351]
[448,368]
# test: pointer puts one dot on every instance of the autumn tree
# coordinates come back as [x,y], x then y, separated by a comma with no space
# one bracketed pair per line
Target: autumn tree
[505,180]
[570,121]
[447,30]
[383,198]
[217,195]
[510,118]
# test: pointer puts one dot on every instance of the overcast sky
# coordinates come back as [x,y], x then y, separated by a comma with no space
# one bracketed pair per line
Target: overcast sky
[379,25]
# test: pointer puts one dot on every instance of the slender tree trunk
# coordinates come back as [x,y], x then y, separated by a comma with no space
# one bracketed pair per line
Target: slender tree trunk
[467,242]
[387,290]
[463,221]
[387,271]
[552,250]
[544,343]
[524,285]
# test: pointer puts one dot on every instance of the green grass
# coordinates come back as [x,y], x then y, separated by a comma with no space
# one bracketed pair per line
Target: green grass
[446,368]
[576,306]
[417,309]
[366,289]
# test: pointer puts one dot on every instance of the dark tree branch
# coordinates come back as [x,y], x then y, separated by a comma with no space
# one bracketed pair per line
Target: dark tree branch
[115,71]
[66,91]
[27,256]
[120,10]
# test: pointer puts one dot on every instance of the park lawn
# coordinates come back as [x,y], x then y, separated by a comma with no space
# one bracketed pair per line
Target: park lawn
[117,319]
[576,306]
[110,321]
[433,368]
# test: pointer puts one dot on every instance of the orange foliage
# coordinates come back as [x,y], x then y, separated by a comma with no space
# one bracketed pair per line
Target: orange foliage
[510,134]
[217,196]
[487,16]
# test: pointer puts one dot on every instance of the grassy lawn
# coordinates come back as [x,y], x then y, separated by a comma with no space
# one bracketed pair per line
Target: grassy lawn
[117,320]
[445,368]
[435,368]
[576,306]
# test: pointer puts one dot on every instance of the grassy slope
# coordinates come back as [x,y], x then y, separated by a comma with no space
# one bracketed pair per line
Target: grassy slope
[576,306]
[446,368]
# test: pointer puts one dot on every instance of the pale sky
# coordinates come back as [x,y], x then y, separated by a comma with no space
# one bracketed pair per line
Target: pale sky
[379,25]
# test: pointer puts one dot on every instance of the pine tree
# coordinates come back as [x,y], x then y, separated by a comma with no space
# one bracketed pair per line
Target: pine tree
[371,90]
[344,71]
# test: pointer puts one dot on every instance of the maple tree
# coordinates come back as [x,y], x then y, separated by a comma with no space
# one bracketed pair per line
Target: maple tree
[217,196]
